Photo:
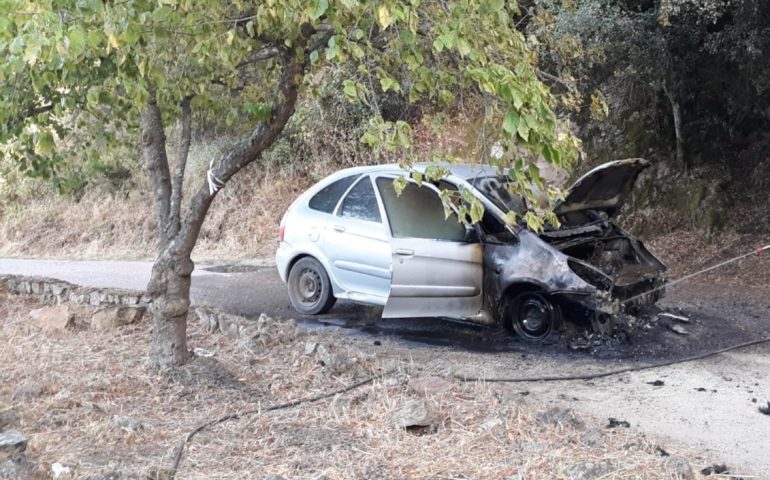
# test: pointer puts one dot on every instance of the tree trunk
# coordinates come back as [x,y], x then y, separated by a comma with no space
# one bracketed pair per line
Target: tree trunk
[676,112]
[169,287]
[169,292]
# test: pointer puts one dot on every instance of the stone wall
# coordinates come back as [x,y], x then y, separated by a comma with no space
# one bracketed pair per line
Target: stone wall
[59,291]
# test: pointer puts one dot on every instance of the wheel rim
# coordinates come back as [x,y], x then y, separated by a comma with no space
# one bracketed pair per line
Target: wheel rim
[309,287]
[533,316]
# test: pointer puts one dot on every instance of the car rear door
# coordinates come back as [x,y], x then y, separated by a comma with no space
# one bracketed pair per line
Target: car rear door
[358,246]
[436,272]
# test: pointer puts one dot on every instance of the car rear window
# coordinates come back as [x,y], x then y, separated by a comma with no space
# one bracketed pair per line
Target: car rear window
[328,197]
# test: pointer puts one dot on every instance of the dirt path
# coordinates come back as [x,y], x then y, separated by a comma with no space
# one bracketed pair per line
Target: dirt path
[710,404]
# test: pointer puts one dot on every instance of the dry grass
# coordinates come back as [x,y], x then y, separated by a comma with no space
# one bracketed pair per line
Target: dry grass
[89,377]
[243,223]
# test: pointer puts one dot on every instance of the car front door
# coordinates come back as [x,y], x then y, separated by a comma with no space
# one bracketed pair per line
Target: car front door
[359,248]
[436,272]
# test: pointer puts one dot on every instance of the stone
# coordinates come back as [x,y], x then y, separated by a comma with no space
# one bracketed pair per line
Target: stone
[53,317]
[588,471]
[16,468]
[60,471]
[430,386]
[559,417]
[93,299]
[335,361]
[9,419]
[113,317]
[27,391]
[12,445]
[680,467]
[678,329]
[591,437]
[63,394]
[310,347]
[415,413]
[129,424]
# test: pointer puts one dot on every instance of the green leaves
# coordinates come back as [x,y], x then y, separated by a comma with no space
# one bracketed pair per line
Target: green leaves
[318,9]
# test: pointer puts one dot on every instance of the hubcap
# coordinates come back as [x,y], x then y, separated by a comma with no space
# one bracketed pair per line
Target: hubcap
[309,286]
[534,318]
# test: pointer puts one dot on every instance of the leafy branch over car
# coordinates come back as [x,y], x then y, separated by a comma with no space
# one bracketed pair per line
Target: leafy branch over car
[140,66]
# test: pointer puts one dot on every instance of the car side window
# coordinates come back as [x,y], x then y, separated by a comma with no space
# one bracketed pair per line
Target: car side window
[328,197]
[361,202]
[418,213]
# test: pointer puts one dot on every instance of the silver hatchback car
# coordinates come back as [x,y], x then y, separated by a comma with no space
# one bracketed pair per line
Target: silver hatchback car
[352,237]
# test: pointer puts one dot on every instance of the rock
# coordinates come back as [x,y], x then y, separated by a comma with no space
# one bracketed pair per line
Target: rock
[430,386]
[680,467]
[334,361]
[588,471]
[56,317]
[492,424]
[591,437]
[113,317]
[27,391]
[12,445]
[310,347]
[16,468]
[8,419]
[63,394]
[129,424]
[678,329]
[560,417]
[415,413]
[60,471]
[614,423]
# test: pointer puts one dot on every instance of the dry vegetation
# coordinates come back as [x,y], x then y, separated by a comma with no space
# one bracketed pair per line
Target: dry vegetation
[88,378]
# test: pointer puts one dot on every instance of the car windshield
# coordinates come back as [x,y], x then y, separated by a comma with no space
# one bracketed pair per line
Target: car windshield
[496,189]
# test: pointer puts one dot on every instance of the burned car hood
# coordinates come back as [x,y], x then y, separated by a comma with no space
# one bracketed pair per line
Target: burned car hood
[605,188]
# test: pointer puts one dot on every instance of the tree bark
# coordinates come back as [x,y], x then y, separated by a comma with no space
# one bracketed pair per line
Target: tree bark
[676,112]
[169,287]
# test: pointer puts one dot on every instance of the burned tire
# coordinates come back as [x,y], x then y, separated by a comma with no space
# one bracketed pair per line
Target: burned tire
[533,316]
[310,291]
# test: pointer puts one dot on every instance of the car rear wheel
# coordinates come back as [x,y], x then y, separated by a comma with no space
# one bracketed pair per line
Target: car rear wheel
[310,291]
[533,316]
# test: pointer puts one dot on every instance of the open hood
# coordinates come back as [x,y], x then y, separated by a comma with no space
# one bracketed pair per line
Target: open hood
[605,188]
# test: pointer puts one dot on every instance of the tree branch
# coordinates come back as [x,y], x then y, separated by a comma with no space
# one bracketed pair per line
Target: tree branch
[181,163]
[262,54]
[246,151]
[156,160]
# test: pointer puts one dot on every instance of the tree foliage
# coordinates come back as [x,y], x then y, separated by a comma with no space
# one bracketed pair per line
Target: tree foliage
[139,66]
[649,58]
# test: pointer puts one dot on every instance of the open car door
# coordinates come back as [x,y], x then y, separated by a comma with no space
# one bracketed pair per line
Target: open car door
[436,271]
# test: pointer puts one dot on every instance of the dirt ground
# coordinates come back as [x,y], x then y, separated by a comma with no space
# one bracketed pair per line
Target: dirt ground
[86,400]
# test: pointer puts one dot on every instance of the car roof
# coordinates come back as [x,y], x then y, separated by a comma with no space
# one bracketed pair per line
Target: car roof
[464,172]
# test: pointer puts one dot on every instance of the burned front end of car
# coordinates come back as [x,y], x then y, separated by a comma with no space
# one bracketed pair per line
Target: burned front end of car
[613,261]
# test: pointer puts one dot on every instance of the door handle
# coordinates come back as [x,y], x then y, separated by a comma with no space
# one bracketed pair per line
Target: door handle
[404,252]
[339,228]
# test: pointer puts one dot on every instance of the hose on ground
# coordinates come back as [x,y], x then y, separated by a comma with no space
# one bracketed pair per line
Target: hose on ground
[607,373]
[258,411]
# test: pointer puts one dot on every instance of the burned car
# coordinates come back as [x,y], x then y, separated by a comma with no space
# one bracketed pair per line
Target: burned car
[352,237]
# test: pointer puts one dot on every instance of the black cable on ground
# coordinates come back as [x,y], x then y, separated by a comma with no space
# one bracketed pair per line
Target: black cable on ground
[272,408]
[591,376]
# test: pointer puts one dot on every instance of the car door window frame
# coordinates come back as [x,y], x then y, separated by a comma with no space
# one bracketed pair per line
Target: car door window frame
[338,209]
[386,219]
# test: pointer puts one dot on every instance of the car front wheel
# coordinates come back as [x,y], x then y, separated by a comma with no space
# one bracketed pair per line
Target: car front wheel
[310,291]
[533,316]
